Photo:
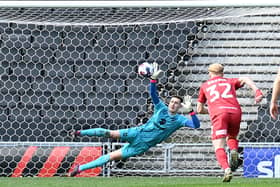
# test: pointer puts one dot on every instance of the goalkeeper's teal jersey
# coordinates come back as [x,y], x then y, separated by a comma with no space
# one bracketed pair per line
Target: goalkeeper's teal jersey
[161,125]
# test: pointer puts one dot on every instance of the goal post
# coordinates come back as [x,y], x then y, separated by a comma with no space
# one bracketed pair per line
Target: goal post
[71,67]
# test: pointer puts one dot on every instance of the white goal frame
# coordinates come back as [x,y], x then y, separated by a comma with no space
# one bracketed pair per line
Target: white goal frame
[186,3]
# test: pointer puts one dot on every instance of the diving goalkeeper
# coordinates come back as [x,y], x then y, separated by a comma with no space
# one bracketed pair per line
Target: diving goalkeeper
[164,121]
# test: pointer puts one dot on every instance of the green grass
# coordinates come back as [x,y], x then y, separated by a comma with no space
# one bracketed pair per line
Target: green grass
[136,182]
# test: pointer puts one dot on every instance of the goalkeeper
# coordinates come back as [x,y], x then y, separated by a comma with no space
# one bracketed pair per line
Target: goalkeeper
[164,121]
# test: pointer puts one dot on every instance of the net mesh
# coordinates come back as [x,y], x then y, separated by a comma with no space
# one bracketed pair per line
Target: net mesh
[122,16]
[75,68]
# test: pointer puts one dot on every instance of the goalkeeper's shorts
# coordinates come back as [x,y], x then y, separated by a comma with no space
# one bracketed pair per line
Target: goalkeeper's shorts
[136,146]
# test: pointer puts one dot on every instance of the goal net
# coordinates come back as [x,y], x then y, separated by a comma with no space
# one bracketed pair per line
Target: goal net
[75,68]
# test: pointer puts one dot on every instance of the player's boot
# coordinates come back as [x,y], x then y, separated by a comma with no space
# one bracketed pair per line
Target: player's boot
[75,172]
[228,175]
[234,160]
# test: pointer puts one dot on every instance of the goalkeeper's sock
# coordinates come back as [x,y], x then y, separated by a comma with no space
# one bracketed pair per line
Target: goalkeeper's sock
[222,158]
[100,132]
[232,144]
[96,163]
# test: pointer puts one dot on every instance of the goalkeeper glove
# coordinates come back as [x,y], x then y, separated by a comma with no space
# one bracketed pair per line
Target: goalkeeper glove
[186,105]
[157,72]
[258,96]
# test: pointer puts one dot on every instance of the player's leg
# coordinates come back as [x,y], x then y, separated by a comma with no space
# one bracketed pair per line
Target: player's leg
[99,132]
[232,141]
[129,135]
[219,134]
[115,155]
[123,134]
[125,152]
[221,156]
[234,157]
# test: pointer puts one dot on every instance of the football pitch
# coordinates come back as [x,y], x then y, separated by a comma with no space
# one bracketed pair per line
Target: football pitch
[137,182]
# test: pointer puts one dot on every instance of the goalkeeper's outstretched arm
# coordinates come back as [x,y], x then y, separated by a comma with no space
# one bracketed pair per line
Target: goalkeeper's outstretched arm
[153,92]
[153,89]
[194,123]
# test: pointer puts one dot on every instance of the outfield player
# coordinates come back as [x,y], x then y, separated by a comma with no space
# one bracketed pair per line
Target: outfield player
[275,96]
[225,113]
[164,121]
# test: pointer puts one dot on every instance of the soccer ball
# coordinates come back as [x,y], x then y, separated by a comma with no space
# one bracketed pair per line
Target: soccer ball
[145,69]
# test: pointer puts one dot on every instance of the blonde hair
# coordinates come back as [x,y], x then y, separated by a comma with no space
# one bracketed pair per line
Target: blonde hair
[216,68]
